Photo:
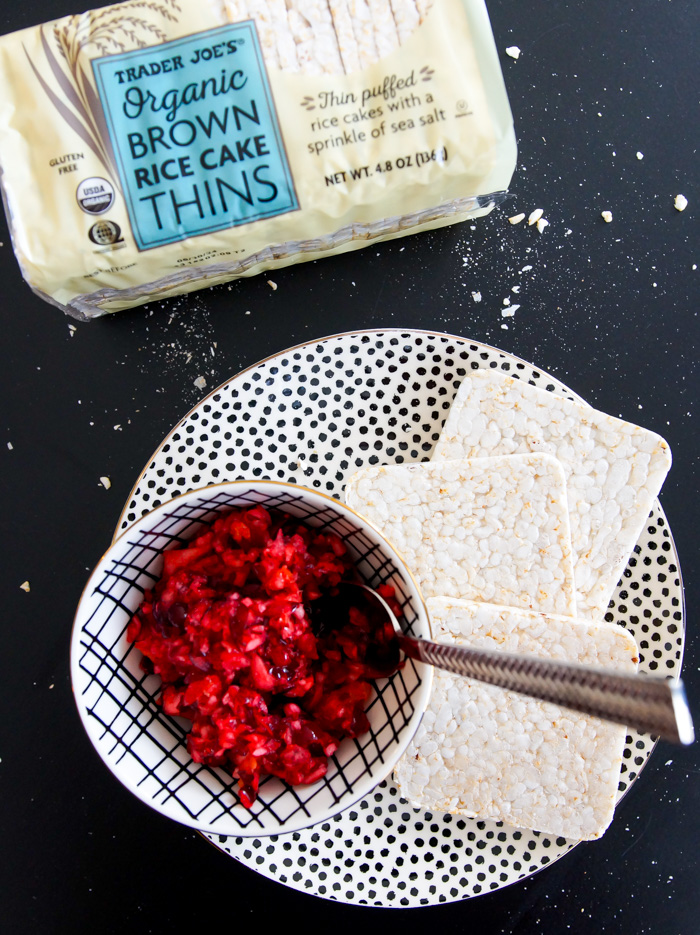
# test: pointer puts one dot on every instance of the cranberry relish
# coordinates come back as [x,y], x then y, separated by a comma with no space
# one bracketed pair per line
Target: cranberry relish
[228,628]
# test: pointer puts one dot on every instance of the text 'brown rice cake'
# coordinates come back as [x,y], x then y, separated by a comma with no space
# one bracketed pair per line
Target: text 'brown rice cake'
[487,529]
[614,469]
[484,752]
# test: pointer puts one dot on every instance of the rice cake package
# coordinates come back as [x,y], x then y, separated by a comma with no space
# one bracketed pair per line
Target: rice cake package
[152,148]
[486,752]
[489,529]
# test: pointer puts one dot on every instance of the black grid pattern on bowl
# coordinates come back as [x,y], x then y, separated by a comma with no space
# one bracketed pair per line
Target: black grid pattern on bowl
[123,700]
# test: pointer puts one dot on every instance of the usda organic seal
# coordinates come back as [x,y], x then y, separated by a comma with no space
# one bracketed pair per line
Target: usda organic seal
[95,195]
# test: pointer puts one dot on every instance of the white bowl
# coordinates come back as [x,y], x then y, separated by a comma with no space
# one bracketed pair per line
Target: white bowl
[146,749]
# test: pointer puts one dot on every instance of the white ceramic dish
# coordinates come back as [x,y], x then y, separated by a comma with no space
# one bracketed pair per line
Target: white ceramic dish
[146,749]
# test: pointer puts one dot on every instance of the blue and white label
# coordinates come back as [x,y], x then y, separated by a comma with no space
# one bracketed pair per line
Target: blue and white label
[195,135]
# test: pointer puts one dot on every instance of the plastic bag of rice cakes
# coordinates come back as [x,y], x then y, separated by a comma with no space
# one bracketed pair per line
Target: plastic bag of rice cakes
[151,149]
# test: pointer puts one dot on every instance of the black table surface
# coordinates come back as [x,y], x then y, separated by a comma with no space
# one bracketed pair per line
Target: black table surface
[610,308]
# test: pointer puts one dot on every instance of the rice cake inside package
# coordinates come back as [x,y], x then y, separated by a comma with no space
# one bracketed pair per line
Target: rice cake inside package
[153,148]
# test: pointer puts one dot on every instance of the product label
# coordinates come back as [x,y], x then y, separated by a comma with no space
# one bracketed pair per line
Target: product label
[195,135]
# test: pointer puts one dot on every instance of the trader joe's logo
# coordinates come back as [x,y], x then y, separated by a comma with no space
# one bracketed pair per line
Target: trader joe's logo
[195,135]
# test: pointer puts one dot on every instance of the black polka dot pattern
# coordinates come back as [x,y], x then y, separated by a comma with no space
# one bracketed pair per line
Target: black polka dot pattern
[313,415]
[648,602]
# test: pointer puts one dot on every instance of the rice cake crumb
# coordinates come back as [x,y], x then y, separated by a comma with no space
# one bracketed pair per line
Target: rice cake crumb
[535,216]
[484,752]
[513,51]
[680,203]
[606,216]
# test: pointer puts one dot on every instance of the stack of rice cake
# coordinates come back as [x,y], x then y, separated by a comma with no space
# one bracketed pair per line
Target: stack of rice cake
[517,532]
[334,38]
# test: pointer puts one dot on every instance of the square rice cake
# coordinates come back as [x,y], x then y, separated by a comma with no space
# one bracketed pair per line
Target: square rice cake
[484,752]
[486,529]
[614,469]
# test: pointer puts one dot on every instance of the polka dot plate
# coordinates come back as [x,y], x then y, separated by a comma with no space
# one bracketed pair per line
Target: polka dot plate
[313,415]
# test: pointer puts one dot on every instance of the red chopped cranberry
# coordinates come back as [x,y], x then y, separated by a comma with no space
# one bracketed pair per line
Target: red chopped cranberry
[228,628]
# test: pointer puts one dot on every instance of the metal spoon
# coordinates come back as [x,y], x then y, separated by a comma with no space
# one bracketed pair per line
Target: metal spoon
[651,705]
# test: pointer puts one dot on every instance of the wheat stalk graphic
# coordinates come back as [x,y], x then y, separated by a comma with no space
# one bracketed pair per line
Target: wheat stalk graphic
[108,31]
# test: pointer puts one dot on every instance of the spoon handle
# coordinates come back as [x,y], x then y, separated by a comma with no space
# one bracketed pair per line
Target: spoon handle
[654,706]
